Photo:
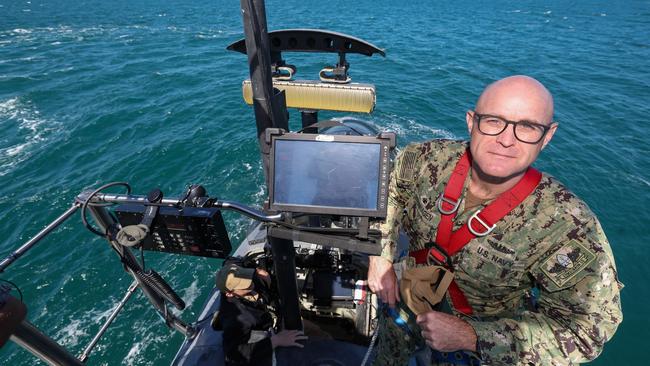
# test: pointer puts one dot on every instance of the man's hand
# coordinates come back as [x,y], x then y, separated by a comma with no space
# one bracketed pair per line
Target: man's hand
[382,280]
[288,338]
[446,333]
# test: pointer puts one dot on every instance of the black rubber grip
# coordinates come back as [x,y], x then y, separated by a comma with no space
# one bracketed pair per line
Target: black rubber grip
[158,284]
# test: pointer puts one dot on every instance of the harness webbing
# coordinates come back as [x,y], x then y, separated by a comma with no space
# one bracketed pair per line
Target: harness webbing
[481,223]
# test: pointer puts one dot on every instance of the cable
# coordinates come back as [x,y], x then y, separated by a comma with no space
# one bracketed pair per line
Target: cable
[16,287]
[87,202]
[372,343]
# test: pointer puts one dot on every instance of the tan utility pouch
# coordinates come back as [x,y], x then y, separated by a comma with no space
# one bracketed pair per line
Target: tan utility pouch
[423,287]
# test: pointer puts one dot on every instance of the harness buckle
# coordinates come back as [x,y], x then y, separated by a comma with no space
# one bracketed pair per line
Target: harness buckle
[437,256]
[442,199]
[476,218]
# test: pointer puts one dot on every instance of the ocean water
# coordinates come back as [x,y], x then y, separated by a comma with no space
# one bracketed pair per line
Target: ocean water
[145,92]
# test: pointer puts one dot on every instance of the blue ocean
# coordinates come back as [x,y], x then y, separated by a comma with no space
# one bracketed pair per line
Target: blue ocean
[145,92]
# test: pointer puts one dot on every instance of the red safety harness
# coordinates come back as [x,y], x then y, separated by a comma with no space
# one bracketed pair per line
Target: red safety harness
[481,223]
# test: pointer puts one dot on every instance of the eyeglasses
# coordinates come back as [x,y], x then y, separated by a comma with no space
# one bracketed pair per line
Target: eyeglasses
[525,131]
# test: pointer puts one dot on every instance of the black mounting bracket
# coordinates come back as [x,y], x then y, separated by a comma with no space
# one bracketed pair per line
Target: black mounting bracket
[312,40]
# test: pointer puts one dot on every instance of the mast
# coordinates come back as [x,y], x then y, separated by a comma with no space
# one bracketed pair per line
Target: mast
[270,111]
[268,103]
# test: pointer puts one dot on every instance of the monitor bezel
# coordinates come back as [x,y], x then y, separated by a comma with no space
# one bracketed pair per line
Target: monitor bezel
[386,146]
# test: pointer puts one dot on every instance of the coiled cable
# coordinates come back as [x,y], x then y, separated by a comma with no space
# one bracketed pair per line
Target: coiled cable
[86,203]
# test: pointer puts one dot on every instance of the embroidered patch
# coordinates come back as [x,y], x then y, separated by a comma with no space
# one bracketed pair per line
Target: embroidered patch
[495,244]
[407,166]
[499,259]
[567,262]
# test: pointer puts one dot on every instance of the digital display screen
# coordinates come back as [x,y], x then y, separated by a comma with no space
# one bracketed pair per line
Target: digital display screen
[326,174]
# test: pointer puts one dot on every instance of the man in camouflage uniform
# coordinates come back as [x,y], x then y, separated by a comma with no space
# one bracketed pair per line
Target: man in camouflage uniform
[551,244]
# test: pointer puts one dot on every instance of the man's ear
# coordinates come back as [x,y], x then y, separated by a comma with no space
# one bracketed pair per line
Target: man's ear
[469,118]
[549,134]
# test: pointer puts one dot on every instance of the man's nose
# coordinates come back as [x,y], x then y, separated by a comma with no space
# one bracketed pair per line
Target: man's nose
[507,137]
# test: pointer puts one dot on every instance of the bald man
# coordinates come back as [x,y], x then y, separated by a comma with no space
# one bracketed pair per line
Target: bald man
[534,276]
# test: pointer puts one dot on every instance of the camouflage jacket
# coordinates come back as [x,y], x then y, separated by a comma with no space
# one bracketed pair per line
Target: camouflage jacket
[552,241]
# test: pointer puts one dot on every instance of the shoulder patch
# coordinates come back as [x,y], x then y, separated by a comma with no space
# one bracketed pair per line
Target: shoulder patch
[407,166]
[567,262]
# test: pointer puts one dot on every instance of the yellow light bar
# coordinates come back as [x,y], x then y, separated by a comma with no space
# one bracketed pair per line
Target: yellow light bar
[307,94]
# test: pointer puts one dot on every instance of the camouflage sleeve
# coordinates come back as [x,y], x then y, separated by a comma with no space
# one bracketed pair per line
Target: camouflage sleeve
[399,193]
[578,308]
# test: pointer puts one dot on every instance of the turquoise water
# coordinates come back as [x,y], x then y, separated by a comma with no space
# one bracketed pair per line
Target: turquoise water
[98,91]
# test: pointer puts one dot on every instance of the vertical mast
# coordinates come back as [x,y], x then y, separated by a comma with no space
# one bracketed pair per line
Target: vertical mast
[270,111]
[269,103]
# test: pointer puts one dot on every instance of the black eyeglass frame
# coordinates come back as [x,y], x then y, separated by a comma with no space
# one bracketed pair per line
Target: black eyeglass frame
[478,116]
